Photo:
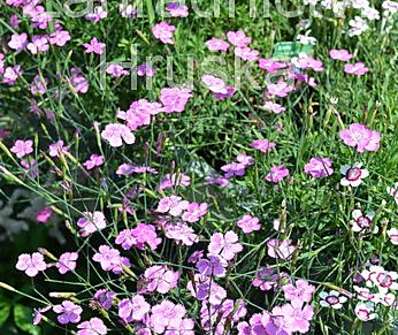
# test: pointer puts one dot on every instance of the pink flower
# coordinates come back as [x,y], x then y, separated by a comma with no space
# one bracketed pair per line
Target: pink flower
[38,85]
[179,232]
[271,65]
[164,32]
[39,44]
[44,215]
[69,312]
[94,161]
[94,326]
[263,145]
[238,38]
[173,205]
[214,266]
[168,318]
[31,264]
[116,133]
[277,174]
[247,54]
[96,15]
[194,212]
[353,175]
[57,149]
[138,237]
[174,99]
[139,113]
[38,314]
[177,10]
[174,180]
[357,69]
[133,309]
[319,167]
[18,41]
[67,262]
[91,222]
[249,224]
[145,70]
[216,44]
[59,37]
[94,46]
[308,62]
[280,89]
[282,249]
[11,74]
[22,148]
[225,246]
[159,278]
[299,293]
[360,137]
[110,259]
[104,298]
[273,107]
[296,319]
[231,90]
[78,81]
[340,54]
[214,84]
[116,71]
[267,278]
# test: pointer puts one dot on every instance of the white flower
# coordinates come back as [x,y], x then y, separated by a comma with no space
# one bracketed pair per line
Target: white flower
[365,312]
[332,299]
[364,294]
[363,222]
[393,235]
[353,175]
[382,279]
[357,26]
[371,13]
[393,191]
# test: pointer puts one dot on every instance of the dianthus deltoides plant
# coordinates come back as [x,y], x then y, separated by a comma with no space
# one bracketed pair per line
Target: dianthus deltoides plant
[258,199]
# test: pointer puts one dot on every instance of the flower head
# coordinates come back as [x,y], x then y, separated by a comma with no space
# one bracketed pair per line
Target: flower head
[357,69]
[353,175]
[133,309]
[277,174]
[115,134]
[67,262]
[363,222]
[225,246]
[164,32]
[332,299]
[31,264]
[68,312]
[319,167]
[94,326]
[91,222]
[340,54]
[360,137]
[248,224]
[174,99]
[22,148]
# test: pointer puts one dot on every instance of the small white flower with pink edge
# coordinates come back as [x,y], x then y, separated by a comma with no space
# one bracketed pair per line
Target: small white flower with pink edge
[393,235]
[363,222]
[353,175]
[378,276]
[365,312]
[393,191]
[332,299]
